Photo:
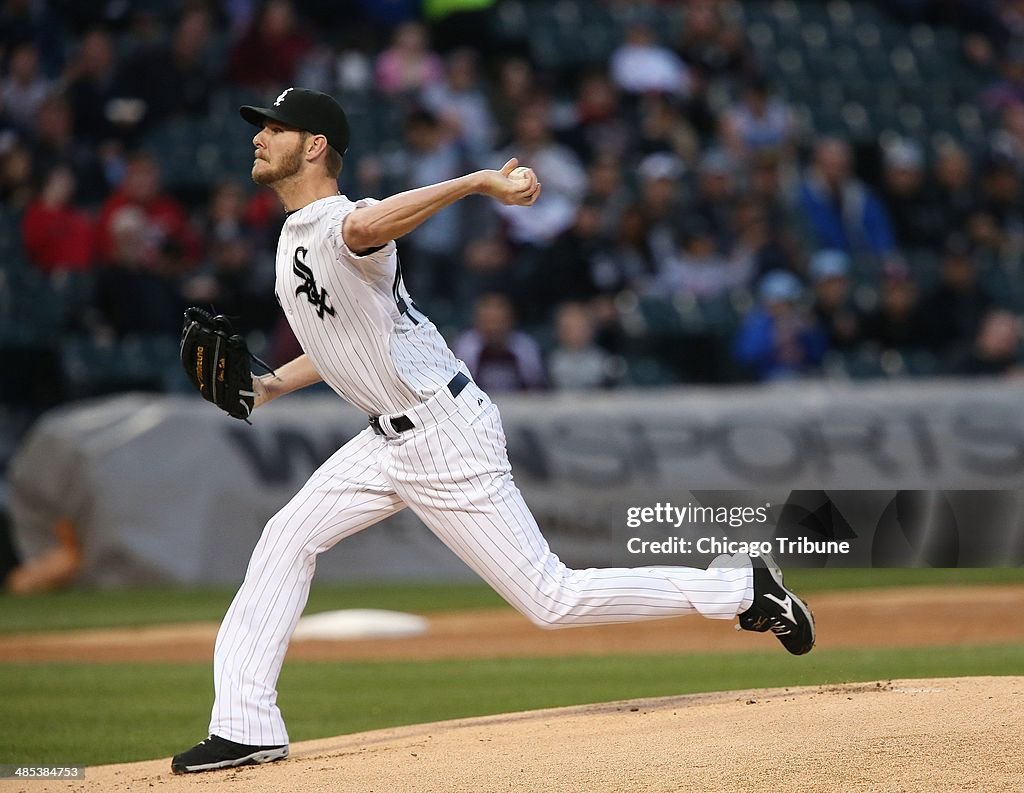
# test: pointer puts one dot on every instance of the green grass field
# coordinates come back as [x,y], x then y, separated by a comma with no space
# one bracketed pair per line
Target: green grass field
[65,713]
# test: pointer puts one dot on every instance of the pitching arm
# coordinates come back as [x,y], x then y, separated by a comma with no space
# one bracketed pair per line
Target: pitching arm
[370,227]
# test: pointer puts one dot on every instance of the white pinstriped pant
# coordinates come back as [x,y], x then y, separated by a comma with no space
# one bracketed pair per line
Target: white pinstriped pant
[453,471]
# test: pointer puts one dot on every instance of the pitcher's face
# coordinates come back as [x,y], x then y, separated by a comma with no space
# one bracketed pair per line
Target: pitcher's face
[278,153]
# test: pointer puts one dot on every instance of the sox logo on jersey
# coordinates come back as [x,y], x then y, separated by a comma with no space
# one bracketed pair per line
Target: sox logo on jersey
[317,296]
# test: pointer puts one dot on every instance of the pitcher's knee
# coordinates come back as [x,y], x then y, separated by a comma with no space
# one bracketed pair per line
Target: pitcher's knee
[551,622]
[550,611]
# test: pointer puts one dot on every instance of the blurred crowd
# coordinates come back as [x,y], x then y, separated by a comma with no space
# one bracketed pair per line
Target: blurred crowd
[689,226]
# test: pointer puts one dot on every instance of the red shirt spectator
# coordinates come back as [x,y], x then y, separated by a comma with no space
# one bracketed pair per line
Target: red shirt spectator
[269,52]
[166,218]
[57,236]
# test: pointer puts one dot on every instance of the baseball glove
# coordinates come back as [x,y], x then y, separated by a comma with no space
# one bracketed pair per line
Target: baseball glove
[218,362]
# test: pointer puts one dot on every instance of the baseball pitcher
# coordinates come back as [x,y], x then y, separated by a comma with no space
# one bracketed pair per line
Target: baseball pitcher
[434,440]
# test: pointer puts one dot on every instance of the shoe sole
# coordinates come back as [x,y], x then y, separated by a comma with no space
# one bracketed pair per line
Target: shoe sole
[256,758]
[776,572]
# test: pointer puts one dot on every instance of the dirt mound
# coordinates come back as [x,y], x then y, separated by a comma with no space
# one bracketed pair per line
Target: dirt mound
[935,735]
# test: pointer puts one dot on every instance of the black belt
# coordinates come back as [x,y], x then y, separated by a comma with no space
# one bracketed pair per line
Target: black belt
[404,423]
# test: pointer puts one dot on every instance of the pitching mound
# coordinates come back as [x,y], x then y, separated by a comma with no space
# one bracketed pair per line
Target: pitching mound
[935,735]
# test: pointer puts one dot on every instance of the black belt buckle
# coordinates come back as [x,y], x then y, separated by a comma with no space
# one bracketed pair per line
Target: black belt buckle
[399,424]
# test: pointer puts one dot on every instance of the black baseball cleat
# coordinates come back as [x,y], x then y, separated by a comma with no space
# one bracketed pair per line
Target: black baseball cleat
[215,752]
[778,610]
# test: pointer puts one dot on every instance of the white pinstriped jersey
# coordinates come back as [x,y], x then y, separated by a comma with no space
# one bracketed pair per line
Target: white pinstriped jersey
[353,316]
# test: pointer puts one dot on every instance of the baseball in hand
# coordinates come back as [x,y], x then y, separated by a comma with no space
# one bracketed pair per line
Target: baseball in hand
[522,172]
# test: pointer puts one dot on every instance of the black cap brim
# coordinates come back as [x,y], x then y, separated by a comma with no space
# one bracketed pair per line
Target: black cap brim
[257,115]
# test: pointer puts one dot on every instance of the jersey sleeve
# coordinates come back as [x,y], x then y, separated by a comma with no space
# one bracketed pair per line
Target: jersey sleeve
[372,262]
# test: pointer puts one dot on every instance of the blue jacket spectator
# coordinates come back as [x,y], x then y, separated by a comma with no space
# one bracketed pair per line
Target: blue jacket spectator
[840,212]
[779,339]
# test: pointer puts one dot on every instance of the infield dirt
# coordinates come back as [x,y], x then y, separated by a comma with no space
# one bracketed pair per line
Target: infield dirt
[911,616]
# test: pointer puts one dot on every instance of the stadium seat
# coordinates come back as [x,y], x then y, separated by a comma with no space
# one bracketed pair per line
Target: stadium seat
[648,371]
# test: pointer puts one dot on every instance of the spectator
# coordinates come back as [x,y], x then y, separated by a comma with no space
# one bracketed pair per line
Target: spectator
[91,81]
[997,222]
[225,214]
[660,206]
[24,88]
[165,217]
[408,66]
[606,188]
[769,245]
[995,350]
[27,21]
[558,170]
[895,322]
[268,54]
[56,235]
[774,197]
[236,281]
[952,311]
[486,267]
[699,269]
[16,187]
[516,89]
[599,128]
[55,143]
[833,309]
[132,295]
[570,268]
[264,215]
[640,65]
[955,195]
[323,69]
[628,261]
[500,358]
[175,80]
[429,251]
[665,128]
[910,200]
[778,339]
[459,100]
[577,363]
[758,121]
[710,46]
[840,212]
[771,185]
[230,215]
[716,197]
